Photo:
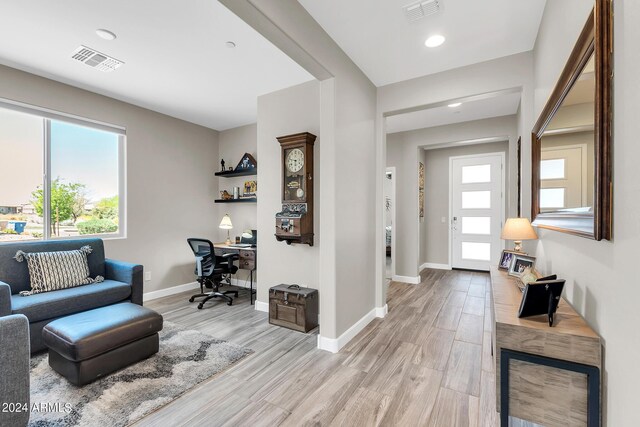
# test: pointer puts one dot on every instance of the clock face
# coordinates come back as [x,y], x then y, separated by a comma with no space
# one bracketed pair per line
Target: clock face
[295,160]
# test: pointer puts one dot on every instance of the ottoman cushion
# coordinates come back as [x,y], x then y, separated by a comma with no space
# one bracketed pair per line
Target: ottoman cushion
[91,333]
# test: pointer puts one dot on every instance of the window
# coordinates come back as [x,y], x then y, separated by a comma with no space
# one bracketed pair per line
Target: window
[552,169]
[476,200]
[476,174]
[552,198]
[60,176]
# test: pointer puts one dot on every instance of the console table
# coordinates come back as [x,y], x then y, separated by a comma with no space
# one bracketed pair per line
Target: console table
[547,375]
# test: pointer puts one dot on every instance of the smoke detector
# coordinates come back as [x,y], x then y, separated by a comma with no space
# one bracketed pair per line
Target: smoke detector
[421,9]
[95,59]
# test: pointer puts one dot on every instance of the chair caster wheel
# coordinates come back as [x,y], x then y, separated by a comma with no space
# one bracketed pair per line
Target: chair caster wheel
[191,299]
[230,302]
[200,306]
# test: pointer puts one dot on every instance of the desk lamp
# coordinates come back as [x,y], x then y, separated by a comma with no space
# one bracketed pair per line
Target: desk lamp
[226,224]
[518,229]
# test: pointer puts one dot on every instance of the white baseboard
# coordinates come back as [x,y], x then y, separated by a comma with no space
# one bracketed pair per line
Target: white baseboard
[381,312]
[406,279]
[335,344]
[262,306]
[435,266]
[148,296]
[244,284]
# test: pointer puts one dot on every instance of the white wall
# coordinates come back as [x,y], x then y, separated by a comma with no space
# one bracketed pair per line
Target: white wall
[170,183]
[282,113]
[602,276]
[403,150]
[347,158]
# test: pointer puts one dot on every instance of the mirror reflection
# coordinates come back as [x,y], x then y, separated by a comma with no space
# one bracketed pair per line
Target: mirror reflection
[567,160]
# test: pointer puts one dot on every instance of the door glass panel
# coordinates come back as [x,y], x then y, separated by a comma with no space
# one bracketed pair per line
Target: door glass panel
[476,225]
[552,169]
[476,174]
[476,251]
[552,198]
[476,200]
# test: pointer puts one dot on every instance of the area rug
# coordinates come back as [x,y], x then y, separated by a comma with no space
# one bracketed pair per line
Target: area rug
[186,358]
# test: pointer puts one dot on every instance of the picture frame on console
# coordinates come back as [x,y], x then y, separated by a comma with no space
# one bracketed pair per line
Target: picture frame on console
[506,258]
[519,263]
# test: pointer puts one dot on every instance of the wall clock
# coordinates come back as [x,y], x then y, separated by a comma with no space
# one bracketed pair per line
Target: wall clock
[294,224]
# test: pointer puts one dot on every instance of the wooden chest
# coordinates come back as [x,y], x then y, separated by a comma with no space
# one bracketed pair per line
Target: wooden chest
[293,307]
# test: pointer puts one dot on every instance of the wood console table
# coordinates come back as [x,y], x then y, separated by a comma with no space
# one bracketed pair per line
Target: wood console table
[553,372]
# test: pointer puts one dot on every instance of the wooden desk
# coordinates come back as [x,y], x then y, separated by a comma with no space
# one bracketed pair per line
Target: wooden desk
[247,260]
[546,395]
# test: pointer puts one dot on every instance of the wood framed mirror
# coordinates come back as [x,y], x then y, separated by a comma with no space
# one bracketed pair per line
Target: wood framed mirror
[571,188]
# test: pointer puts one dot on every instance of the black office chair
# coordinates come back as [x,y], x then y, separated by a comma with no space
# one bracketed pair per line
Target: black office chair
[210,270]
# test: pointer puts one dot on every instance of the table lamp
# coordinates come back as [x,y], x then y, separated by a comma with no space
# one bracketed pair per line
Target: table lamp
[226,224]
[518,229]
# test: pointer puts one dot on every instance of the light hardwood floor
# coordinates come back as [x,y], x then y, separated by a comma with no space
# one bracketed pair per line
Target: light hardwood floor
[427,363]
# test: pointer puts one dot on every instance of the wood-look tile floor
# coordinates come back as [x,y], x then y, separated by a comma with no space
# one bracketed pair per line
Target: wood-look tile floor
[428,363]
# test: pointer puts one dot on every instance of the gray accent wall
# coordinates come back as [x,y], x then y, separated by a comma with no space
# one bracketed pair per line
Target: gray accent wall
[602,277]
[170,183]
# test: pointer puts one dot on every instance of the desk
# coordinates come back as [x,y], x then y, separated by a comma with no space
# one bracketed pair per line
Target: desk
[552,374]
[247,260]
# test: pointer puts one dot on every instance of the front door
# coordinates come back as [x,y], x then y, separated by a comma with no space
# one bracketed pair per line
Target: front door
[477,205]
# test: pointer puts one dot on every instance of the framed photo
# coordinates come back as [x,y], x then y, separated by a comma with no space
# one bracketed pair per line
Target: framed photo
[520,263]
[505,259]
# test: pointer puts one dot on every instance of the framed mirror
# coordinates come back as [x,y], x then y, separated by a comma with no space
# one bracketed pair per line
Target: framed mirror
[571,141]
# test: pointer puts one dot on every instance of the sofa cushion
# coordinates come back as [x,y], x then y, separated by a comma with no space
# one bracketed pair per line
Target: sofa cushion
[16,274]
[52,271]
[50,305]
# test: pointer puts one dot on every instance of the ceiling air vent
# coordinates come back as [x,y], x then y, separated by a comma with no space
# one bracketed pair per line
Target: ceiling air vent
[419,10]
[95,59]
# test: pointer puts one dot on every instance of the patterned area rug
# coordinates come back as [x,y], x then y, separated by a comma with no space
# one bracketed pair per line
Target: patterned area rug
[186,358]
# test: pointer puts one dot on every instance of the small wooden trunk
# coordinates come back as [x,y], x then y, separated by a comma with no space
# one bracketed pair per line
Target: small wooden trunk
[293,307]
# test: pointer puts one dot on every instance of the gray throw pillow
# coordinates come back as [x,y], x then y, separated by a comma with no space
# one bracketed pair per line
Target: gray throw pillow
[51,271]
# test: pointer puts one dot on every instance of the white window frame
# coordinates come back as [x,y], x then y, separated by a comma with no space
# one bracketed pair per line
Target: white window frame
[47,116]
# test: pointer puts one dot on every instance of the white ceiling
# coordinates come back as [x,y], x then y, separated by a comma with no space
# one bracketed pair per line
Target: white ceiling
[496,106]
[389,49]
[176,61]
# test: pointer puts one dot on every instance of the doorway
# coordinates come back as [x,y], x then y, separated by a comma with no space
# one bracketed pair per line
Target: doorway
[389,222]
[477,210]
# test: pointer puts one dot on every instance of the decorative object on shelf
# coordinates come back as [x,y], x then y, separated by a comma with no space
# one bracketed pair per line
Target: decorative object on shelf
[421,189]
[541,298]
[506,258]
[294,224]
[529,275]
[247,162]
[250,188]
[237,240]
[519,263]
[236,193]
[226,224]
[222,164]
[225,195]
[518,229]
[230,168]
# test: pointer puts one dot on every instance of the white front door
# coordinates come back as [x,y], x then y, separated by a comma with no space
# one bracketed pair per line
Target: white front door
[477,207]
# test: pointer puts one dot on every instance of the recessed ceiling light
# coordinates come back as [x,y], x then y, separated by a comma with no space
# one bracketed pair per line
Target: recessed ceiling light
[434,41]
[230,44]
[454,105]
[105,34]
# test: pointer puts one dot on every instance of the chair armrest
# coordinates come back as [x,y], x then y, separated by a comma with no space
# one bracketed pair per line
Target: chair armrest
[5,299]
[131,274]
[230,256]
[15,352]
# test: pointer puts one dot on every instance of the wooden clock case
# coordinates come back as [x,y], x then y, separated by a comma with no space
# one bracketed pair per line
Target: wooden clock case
[294,224]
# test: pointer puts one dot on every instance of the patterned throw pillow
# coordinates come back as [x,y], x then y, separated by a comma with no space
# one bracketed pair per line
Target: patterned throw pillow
[51,271]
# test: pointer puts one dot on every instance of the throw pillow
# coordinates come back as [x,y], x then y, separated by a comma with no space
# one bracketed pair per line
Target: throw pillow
[51,271]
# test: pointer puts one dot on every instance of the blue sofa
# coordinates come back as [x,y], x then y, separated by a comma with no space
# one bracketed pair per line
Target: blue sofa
[123,282]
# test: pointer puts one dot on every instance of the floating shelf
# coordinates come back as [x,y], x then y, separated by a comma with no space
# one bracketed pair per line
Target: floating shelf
[242,172]
[242,200]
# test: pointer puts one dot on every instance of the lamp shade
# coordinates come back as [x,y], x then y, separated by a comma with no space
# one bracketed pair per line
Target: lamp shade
[518,229]
[226,224]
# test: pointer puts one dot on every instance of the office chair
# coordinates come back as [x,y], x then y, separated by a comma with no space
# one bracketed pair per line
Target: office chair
[210,270]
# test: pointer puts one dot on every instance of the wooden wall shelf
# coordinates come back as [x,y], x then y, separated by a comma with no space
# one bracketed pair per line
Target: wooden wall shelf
[243,172]
[244,200]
